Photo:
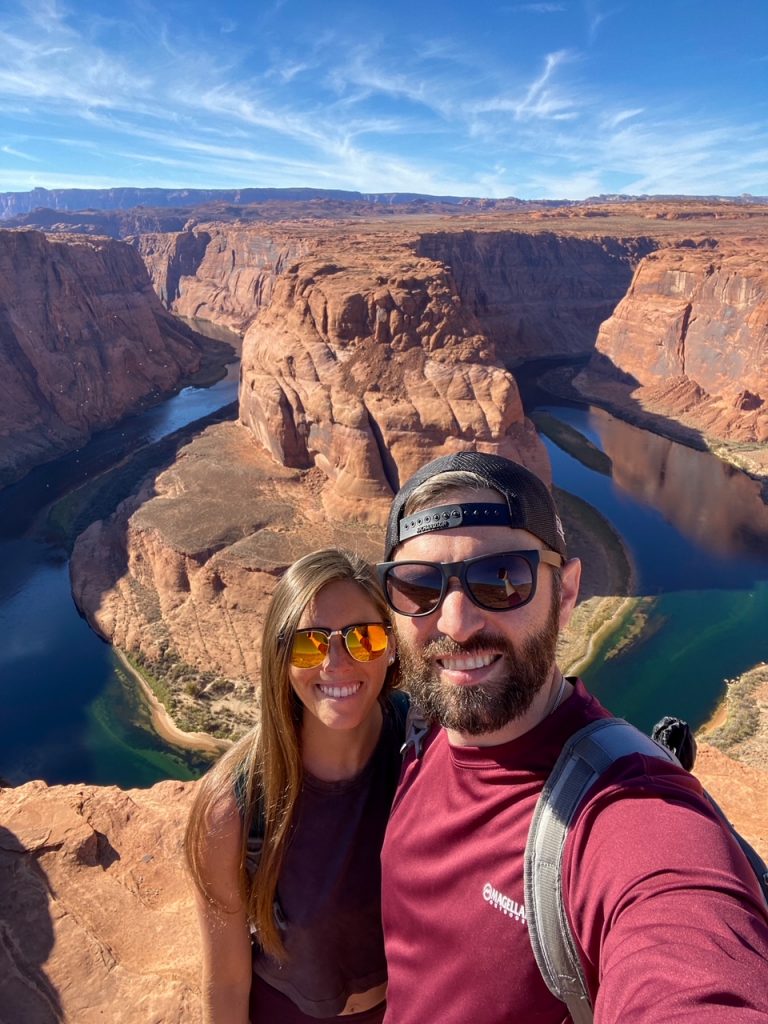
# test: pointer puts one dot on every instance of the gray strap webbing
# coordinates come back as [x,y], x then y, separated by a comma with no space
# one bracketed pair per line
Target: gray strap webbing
[584,758]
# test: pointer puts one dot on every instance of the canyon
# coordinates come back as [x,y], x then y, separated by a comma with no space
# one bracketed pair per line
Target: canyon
[83,341]
[370,344]
[369,348]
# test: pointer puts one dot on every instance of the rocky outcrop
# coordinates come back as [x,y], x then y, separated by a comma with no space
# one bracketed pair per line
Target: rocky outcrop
[83,340]
[366,368]
[690,341]
[97,919]
[538,295]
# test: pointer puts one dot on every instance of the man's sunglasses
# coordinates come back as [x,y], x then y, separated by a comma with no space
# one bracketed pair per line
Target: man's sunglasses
[364,641]
[496,582]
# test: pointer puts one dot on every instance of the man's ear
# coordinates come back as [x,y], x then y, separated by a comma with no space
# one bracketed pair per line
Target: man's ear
[570,576]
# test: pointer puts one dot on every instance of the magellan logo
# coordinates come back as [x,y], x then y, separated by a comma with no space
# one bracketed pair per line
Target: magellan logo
[509,907]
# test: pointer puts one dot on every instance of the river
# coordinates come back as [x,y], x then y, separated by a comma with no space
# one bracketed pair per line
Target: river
[697,531]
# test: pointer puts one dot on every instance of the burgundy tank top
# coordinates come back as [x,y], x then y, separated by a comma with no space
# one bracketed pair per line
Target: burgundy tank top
[328,904]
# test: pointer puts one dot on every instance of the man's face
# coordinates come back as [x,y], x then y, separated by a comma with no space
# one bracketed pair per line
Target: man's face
[475,670]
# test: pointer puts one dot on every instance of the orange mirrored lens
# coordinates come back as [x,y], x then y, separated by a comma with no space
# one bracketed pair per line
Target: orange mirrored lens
[364,641]
[367,642]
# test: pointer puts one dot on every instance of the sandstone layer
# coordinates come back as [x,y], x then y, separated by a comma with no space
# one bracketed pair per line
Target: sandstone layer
[223,273]
[83,340]
[97,920]
[690,341]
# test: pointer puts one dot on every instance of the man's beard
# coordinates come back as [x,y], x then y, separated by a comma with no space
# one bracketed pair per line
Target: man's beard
[475,710]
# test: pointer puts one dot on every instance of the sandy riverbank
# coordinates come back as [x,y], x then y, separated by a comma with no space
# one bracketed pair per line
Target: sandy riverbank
[162,722]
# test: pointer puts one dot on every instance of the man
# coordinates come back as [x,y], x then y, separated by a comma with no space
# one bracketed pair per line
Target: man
[667,916]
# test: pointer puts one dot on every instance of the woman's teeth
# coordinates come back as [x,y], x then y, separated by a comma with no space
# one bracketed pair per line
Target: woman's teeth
[339,691]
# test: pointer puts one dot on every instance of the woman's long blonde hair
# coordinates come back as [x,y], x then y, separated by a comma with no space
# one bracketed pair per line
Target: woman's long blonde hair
[265,767]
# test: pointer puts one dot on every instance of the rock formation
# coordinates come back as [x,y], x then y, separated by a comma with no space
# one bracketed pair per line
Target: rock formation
[217,272]
[366,369]
[538,295]
[83,340]
[97,921]
[691,340]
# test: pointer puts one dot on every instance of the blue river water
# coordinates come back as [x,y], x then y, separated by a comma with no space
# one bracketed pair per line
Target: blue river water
[696,530]
[697,533]
[68,713]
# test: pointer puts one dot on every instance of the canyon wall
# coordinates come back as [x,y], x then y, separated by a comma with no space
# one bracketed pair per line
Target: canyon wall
[538,295]
[83,340]
[218,272]
[690,340]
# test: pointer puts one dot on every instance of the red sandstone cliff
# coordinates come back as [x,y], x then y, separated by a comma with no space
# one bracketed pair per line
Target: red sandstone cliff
[692,332]
[366,368]
[218,272]
[83,339]
[538,295]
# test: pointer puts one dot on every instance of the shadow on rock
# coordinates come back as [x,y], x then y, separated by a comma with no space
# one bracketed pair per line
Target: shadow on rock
[26,938]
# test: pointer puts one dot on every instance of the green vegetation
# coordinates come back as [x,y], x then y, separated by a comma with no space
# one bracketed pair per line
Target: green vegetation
[187,693]
[572,442]
[743,716]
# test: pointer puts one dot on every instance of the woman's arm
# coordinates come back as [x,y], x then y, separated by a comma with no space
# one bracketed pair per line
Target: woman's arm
[226,977]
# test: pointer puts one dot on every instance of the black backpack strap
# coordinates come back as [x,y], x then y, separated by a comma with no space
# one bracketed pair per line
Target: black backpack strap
[584,758]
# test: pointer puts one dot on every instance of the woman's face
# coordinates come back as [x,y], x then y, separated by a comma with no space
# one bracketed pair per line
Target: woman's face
[340,692]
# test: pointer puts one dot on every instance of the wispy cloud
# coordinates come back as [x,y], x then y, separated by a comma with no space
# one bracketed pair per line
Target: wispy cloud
[345,103]
[18,153]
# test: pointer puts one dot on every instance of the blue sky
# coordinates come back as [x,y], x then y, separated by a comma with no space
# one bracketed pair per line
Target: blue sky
[555,99]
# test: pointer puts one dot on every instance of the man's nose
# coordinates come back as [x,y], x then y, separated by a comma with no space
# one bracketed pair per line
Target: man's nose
[457,616]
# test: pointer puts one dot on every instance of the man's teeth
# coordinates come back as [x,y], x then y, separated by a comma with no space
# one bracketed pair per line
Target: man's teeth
[339,691]
[466,662]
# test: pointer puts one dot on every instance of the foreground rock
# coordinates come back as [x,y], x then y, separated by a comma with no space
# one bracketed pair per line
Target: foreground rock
[83,340]
[96,913]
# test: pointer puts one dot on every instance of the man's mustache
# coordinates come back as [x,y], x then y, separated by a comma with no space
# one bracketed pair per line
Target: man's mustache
[444,646]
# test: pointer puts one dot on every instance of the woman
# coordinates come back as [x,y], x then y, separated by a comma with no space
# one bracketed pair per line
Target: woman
[284,836]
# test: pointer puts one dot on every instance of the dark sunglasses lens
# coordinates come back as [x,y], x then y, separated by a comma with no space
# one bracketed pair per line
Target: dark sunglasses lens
[414,589]
[310,646]
[501,581]
[366,642]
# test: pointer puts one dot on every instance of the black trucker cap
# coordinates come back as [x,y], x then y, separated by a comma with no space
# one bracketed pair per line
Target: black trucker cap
[528,499]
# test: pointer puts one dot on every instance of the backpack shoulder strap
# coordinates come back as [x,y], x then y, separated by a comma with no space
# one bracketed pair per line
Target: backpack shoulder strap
[584,758]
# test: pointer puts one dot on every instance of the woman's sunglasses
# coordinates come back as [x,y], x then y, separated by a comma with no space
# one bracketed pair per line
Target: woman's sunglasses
[364,641]
[496,582]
